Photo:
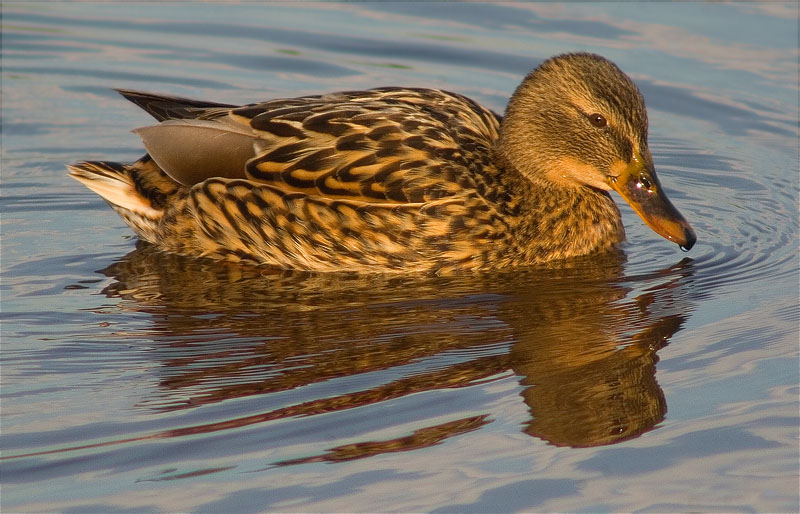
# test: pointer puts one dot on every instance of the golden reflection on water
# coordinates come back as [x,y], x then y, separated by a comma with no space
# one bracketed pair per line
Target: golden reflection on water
[582,343]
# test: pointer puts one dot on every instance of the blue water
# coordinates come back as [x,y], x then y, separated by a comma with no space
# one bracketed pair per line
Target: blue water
[652,380]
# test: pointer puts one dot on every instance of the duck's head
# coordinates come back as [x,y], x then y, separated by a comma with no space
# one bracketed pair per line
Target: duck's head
[579,121]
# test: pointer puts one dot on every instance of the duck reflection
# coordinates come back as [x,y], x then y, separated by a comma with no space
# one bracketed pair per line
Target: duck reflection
[582,337]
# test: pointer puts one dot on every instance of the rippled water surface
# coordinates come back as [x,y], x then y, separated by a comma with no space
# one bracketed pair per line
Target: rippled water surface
[648,380]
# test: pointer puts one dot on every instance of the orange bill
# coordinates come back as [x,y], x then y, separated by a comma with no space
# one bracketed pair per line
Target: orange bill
[638,184]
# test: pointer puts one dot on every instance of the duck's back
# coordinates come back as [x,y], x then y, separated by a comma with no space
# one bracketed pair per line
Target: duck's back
[389,145]
[382,145]
[385,178]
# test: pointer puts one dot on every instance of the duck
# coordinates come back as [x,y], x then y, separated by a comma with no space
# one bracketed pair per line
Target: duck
[396,178]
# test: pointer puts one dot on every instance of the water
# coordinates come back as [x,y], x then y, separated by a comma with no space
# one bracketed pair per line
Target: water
[650,380]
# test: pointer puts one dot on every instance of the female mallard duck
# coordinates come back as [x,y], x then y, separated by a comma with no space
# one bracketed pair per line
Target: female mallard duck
[396,178]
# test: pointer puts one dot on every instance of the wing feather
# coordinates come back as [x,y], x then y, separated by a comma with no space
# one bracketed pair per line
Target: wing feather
[381,145]
[193,150]
[386,145]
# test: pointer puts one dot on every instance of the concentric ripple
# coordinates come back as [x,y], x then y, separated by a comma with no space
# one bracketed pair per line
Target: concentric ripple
[746,222]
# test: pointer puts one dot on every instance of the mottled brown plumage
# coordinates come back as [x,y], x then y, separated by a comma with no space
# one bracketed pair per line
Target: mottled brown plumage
[395,178]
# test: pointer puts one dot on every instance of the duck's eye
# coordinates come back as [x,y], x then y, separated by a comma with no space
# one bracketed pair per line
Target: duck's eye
[598,120]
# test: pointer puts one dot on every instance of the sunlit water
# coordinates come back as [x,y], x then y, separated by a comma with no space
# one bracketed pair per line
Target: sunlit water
[648,380]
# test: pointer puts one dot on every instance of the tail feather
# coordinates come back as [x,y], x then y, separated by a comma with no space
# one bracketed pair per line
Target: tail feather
[138,192]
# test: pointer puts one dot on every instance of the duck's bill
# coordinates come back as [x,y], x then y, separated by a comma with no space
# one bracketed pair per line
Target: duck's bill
[639,186]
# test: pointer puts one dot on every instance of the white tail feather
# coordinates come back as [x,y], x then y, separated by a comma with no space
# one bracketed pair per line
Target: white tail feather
[116,188]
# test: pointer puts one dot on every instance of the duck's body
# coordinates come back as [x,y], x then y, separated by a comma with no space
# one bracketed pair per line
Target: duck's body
[378,180]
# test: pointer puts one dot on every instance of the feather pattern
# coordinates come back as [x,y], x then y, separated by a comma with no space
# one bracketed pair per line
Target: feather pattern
[379,180]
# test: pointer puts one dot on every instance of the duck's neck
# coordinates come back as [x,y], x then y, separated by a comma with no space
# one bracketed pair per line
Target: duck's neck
[553,221]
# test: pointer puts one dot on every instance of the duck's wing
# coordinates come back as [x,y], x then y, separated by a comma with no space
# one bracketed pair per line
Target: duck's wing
[388,145]
[164,107]
[385,145]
